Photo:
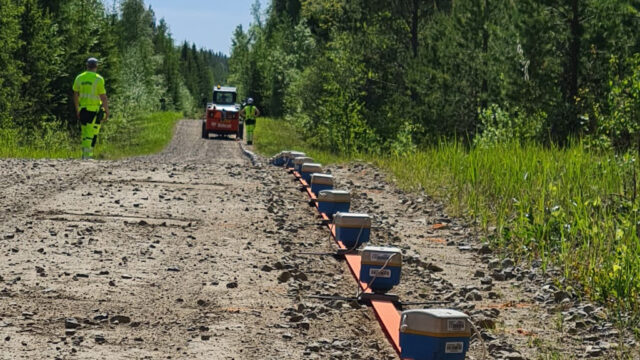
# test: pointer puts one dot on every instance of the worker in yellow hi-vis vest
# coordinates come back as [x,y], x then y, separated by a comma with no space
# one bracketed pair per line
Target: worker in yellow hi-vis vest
[250,113]
[92,105]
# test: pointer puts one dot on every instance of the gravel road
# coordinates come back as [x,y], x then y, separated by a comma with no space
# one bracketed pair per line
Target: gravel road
[194,253]
[174,256]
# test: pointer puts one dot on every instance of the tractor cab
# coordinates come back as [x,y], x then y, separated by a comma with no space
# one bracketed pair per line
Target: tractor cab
[221,116]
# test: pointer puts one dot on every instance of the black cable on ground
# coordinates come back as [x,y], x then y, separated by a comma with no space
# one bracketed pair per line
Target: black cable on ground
[253,157]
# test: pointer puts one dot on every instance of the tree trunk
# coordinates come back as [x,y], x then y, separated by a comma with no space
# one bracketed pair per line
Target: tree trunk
[485,53]
[414,27]
[573,66]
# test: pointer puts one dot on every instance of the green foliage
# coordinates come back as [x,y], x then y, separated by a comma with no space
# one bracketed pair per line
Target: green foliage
[239,63]
[46,43]
[169,68]
[143,135]
[11,78]
[42,63]
[273,135]
[140,90]
[198,69]
[498,127]
[566,207]
[435,67]
[622,124]
[46,141]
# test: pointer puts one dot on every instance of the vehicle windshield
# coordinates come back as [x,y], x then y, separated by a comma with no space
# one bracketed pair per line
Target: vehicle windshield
[224,98]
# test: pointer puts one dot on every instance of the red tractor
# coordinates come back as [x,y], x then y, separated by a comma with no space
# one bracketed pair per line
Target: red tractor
[221,116]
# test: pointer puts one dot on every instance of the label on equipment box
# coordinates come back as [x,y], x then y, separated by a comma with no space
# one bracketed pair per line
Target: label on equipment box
[456,325]
[380,257]
[453,348]
[380,273]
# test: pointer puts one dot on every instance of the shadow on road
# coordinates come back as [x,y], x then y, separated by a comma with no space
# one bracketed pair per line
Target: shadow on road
[221,138]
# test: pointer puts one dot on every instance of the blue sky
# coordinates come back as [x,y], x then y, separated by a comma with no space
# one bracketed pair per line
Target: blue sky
[208,23]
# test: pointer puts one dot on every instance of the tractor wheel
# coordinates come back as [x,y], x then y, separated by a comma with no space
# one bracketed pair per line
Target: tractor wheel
[240,131]
[205,133]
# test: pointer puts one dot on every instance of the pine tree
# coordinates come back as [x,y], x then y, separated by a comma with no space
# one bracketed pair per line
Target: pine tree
[80,25]
[170,64]
[41,58]
[11,77]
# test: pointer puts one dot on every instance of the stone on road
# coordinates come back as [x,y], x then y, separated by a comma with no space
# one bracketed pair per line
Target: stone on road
[162,256]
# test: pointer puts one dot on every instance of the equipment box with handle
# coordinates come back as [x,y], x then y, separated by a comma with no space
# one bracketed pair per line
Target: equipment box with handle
[307,169]
[321,182]
[372,267]
[292,155]
[281,158]
[297,162]
[434,334]
[352,229]
[333,201]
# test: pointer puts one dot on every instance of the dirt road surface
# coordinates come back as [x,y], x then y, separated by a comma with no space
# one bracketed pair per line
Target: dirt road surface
[167,256]
[194,254]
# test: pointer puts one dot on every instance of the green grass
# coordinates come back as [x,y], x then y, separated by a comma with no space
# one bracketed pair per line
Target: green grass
[274,135]
[568,207]
[140,136]
[118,139]
[48,142]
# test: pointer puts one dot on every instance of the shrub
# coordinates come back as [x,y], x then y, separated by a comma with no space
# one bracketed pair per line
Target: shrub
[499,126]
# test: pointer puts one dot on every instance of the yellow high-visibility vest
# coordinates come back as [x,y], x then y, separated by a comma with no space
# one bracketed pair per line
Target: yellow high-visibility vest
[90,86]
[250,112]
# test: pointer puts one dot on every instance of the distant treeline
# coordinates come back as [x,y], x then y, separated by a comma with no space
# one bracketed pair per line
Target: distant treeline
[45,43]
[390,75]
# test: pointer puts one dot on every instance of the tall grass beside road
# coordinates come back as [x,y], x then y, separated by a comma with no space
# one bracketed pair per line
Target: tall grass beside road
[48,142]
[140,136]
[274,135]
[118,139]
[567,207]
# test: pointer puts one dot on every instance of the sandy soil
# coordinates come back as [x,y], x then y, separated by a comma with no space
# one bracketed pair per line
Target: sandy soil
[194,253]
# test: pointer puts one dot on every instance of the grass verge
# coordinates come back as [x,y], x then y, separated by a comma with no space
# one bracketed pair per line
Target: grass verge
[274,135]
[569,208]
[118,139]
[141,136]
[47,142]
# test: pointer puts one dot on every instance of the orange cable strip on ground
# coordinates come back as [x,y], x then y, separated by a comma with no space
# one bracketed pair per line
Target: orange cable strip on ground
[386,312]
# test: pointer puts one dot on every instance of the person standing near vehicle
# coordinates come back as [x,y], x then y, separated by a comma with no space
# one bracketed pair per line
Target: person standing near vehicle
[92,105]
[250,113]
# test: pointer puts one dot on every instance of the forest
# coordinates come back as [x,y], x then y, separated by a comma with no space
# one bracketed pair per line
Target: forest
[46,43]
[393,75]
[520,116]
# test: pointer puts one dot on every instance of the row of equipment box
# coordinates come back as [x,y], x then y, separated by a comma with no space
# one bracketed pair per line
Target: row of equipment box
[425,334]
